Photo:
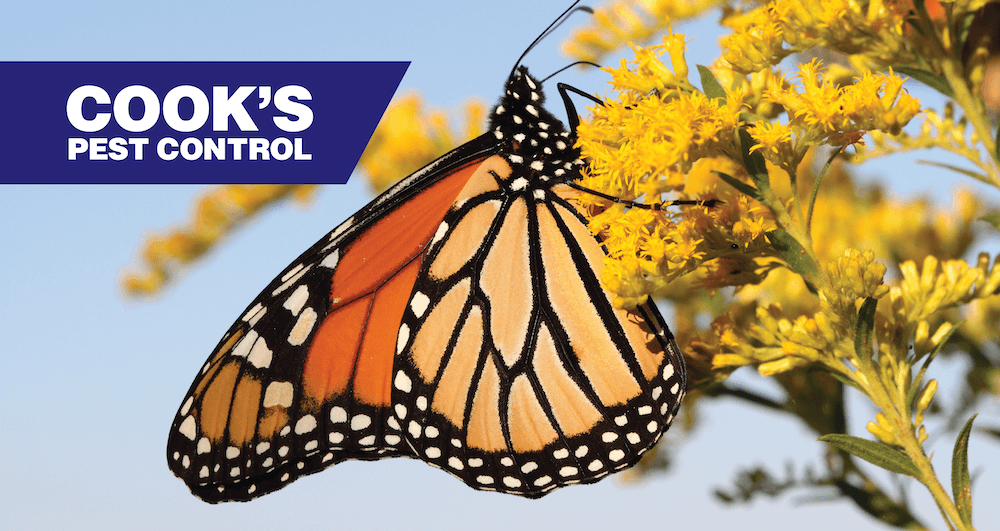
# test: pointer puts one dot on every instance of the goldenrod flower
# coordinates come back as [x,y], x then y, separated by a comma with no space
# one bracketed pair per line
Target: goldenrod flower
[408,137]
[216,214]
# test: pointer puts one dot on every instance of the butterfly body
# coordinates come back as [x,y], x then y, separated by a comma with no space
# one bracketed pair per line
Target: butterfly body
[458,319]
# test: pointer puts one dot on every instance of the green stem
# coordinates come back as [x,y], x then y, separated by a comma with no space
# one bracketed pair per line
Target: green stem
[784,221]
[906,435]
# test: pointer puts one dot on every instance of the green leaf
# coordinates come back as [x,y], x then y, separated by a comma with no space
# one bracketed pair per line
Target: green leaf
[710,85]
[875,453]
[792,252]
[739,185]
[932,80]
[961,486]
[754,162]
[863,329]
[992,219]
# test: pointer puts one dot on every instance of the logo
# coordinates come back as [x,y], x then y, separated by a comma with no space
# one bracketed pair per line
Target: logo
[196,122]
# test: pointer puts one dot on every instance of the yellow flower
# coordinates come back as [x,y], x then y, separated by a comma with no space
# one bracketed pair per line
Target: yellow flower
[408,137]
[217,213]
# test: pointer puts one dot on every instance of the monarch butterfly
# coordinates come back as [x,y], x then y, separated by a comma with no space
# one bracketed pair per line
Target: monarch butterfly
[458,319]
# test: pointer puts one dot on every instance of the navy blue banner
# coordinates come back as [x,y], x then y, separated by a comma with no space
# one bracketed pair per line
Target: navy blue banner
[189,122]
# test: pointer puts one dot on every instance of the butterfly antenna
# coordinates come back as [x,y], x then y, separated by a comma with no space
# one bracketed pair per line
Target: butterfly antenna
[567,67]
[555,24]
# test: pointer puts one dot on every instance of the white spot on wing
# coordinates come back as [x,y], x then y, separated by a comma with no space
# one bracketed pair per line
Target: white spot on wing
[360,422]
[331,260]
[340,230]
[441,231]
[291,272]
[402,338]
[187,405]
[243,347]
[279,394]
[305,424]
[338,414]
[402,382]
[260,355]
[188,428]
[419,304]
[299,271]
[567,471]
[254,314]
[303,327]
[297,299]
[511,482]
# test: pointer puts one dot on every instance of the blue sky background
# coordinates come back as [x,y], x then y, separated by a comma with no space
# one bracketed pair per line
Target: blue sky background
[90,381]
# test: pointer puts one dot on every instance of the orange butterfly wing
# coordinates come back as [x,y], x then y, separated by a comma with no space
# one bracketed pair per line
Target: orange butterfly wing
[458,318]
[301,381]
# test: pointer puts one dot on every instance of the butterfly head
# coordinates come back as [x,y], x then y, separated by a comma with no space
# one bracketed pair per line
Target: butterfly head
[529,135]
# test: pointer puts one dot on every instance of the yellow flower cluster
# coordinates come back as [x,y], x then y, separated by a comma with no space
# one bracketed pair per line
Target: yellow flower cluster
[643,145]
[216,213]
[822,112]
[939,286]
[408,137]
[872,31]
